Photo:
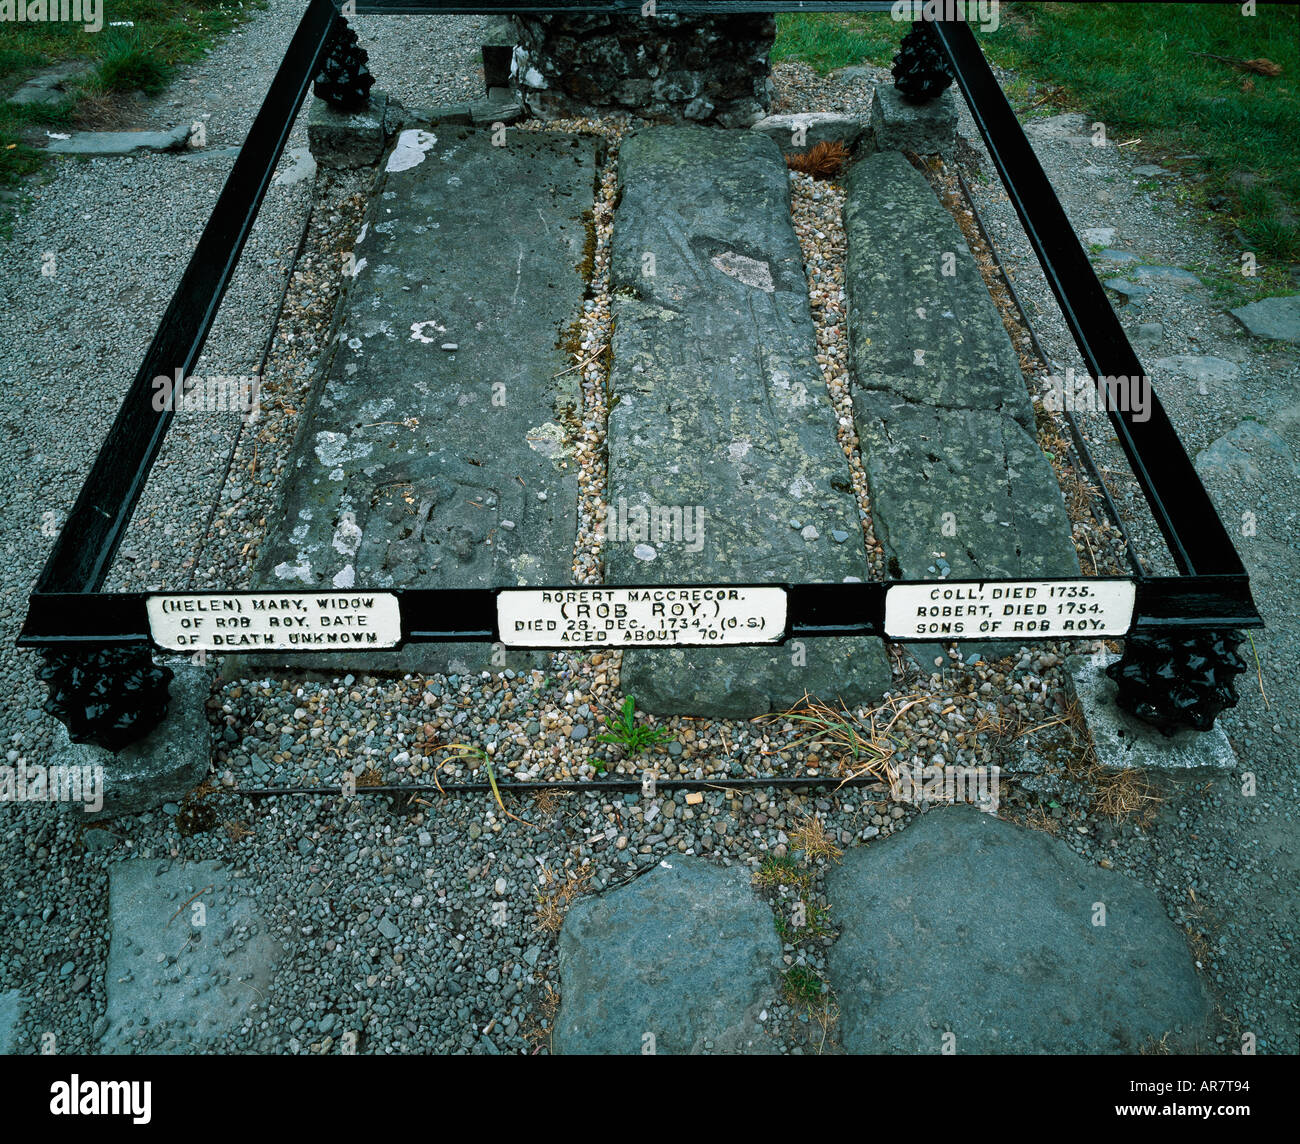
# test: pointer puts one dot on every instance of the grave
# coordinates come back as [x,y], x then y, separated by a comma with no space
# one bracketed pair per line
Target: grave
[720,411]
[409,466]
[437,453]
[959,486]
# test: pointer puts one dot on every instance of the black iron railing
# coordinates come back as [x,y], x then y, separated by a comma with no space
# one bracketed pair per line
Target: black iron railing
[1180,630]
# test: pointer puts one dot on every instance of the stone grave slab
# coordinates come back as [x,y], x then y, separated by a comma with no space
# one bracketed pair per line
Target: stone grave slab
[960,488]
[438,451]
[969,925]
[723,461]
[173,984]
[686,954]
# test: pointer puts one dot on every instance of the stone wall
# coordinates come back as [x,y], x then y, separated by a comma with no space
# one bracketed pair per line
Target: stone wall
[667,68]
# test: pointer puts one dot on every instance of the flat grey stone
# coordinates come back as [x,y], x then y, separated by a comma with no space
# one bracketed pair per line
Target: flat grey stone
[399,117]
[1151,171]
[1126,743]
[1148,334]
[967,925]
[162,767]
[978,465]
[481,246]
[296,166]
[48,87]
[1201,368]
[721,411]
[347,139]
[916,333]
[943,417]
[12,1005]
[854,76]
[1275,318]
[157,954]
[1119,257]
[925,128]
[1069,127]
[686,954]
[1175,275]
[1248,452]
[485,112]
[1127,291]
[1102,236]
[121,142]
[811,128]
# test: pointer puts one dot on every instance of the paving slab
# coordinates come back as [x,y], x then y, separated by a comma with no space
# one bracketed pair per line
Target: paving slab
[966,933]
[1124,742]
[1275,318]
[188,955]
[901,125]
[797,133]
[121,142]
[682,960]
[438,451]
[945,422]
[721,415]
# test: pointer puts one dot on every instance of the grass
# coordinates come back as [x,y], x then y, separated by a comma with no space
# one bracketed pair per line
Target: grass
[829,41]
[624,731]
[128,64]
[1136,68]
[556,892]
[801,925]
[801,986]
[119,60]
[811,837]
[855,741]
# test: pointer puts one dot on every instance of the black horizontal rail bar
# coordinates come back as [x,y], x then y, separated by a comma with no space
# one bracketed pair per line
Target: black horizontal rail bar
[89,539]
[1182,508]
[613,7]
[446,615]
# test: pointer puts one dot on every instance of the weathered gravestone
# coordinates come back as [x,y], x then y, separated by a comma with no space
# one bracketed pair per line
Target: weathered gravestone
[959,485]
[721,419]
[438,451]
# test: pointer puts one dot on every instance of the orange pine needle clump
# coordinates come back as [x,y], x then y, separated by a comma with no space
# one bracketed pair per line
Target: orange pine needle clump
[822,160]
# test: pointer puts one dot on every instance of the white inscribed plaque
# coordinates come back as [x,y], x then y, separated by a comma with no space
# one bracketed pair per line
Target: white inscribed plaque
[280,621]
[1008,609]
[694,616]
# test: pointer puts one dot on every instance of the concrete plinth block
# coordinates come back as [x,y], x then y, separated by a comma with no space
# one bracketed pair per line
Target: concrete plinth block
[347,139]
[1126,743]
[925,128]
[162,767]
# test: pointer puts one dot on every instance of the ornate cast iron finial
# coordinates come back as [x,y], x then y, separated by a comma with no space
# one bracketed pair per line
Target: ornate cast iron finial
[344,81]
[109,696]
[1177,681]
[920,70]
